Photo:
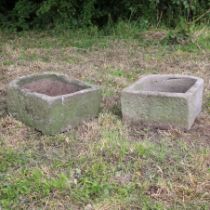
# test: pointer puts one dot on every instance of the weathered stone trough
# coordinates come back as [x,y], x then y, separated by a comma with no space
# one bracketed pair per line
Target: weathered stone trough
[163,101]
[51,102]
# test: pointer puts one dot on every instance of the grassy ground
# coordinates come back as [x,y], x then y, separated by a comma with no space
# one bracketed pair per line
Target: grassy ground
[103,164]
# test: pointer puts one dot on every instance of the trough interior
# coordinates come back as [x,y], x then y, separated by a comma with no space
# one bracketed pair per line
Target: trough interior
[51,85]
[166,84]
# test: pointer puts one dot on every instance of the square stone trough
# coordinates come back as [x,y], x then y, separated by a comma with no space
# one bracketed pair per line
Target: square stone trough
[52,103]
[163,101]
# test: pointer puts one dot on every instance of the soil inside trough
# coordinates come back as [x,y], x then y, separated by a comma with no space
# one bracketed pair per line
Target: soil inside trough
[52,87]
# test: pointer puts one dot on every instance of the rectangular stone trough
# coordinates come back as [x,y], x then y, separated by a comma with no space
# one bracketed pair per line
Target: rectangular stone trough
[52,103]
[163,101]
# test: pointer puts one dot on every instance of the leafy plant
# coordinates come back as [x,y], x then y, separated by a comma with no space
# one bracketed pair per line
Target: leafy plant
[26,14]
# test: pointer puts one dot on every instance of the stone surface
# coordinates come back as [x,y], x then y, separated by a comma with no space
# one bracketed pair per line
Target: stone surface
[51,102]
[163,101]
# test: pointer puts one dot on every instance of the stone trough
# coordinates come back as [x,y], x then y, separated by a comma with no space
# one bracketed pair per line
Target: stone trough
[163,101]
[52,103]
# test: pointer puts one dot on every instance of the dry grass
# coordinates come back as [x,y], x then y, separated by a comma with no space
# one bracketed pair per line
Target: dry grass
[106,165]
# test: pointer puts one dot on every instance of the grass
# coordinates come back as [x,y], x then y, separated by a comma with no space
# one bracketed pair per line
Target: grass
[102,164]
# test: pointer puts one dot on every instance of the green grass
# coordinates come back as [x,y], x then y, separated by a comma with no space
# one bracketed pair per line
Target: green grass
[104,164]
[31,182]
[10,158]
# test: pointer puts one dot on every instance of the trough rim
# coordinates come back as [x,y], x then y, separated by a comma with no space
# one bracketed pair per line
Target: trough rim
[130,89]
[14,85]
